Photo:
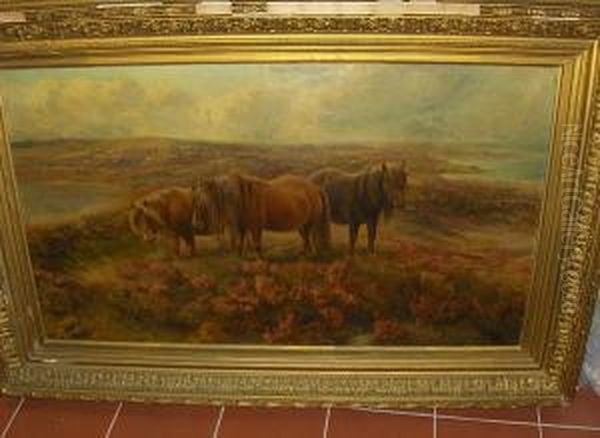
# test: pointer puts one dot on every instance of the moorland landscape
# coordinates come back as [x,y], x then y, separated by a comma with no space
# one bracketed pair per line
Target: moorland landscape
[452,267]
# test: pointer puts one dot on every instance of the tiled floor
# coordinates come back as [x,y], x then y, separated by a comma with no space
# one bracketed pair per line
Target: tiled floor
[20,418]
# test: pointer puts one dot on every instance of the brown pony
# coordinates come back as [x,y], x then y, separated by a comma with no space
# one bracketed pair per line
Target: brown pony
[360,198]
[165,212]
[246,206]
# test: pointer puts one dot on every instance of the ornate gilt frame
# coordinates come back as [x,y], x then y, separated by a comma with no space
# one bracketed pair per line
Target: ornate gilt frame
[545,366]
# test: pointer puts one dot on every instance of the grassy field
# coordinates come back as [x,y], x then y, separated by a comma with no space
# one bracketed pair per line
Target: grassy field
[453,268]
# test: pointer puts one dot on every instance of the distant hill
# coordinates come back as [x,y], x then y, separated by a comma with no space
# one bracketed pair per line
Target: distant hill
[85,175]
[155,161]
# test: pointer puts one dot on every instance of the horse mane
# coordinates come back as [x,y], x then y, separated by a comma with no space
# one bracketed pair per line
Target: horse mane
[250,182]
[216,193]
[142,207]
[251,192]
[233,199]
[368,186]
[133,218]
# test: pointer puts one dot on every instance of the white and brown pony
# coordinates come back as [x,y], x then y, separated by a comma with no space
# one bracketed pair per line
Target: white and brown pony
[167,212]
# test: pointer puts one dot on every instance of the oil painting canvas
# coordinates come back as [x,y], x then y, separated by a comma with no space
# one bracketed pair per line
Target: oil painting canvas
[282,204]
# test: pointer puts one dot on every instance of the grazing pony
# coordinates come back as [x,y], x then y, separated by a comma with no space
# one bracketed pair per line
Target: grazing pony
[165,212]
[360,198]
[246,206]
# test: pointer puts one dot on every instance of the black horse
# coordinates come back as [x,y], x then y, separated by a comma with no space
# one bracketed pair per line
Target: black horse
[360,198]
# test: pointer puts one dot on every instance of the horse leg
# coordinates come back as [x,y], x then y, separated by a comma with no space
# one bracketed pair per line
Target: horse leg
[239,238]
[311,239]
[245,242]
[222,236]
[353,227]
[179,246]
[232,240]
[305,234]
[372,234]
[257,239]
[191,243]
[176,246]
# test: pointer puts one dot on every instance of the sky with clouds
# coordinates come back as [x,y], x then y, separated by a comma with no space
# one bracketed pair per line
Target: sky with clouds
[507,106]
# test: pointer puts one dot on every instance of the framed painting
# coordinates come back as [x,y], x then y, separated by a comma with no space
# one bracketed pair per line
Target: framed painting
[392,207]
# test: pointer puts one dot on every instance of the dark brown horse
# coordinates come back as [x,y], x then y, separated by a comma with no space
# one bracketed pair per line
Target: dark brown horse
[360,198]
[246,205]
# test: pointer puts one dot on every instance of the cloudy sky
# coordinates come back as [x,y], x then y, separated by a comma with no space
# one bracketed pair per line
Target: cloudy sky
[285,104]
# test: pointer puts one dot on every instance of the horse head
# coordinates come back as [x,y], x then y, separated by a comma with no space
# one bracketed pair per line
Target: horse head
[394,180]
[144,221]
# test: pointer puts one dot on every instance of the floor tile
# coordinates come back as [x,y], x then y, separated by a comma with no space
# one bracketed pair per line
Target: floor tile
[345,423]
[585,410]
[7,407]
[138,420]
[273,423]
[472,429]
[566,433]
[517,414]
[64,419]
[418,412]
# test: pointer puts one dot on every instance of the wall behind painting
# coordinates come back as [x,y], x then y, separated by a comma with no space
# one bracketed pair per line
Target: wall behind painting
[591,364]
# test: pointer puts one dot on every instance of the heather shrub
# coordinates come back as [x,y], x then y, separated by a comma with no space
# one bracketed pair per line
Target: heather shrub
[65,304]
[159,292]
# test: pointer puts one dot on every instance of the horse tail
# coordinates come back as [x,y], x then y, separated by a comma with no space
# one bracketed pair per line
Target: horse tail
[246,201]
[242,215]
[323,226]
